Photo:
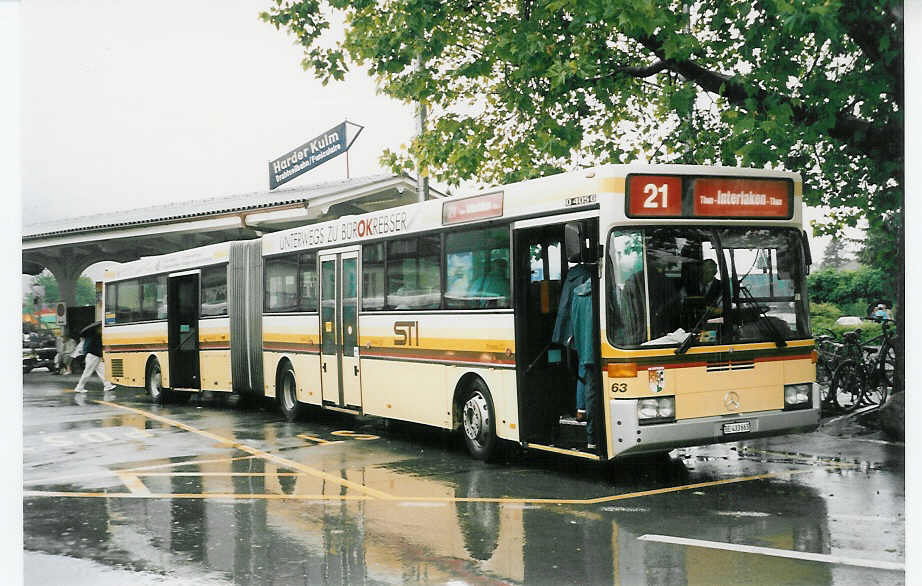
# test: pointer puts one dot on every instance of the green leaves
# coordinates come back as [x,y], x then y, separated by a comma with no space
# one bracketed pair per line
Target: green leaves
[521,88]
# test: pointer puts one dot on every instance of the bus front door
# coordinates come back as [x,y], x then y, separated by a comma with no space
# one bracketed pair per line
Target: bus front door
[182,330]
[339,339]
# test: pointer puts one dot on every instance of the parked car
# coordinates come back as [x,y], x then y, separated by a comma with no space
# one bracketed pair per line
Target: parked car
[38,348]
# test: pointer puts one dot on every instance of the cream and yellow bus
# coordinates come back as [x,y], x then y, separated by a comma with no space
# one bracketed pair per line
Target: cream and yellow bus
[678,294]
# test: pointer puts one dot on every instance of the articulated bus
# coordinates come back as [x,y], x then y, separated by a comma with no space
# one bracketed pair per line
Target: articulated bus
[692,317]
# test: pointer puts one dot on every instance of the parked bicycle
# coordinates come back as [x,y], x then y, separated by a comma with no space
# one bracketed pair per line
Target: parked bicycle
[865,374]
[828,349]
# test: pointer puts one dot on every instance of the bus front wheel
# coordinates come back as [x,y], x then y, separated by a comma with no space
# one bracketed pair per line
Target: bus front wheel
[478,422]
[287,394]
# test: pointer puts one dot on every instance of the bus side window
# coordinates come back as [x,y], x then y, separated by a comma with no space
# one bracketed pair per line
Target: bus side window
[281,284]
[414,273]
[373,276]
[111,303]
[307,282]
[129,302]
[214,291]
[477,265]
[153,298]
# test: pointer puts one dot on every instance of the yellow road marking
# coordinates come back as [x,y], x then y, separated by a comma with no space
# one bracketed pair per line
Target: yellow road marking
[254,451]
[133,483]
[354,435]
[318,440]
[66,477]
[187,463]
[193,495]
[195,474]
[546,501]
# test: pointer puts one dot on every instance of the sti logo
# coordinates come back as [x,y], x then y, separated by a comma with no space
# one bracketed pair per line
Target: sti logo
[403,330]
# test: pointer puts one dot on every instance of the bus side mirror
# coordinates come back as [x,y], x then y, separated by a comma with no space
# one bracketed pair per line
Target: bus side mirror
[577,243]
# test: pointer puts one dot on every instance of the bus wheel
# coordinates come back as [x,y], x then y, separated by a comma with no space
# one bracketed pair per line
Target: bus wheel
[287,394]
[478,422]
[154,384]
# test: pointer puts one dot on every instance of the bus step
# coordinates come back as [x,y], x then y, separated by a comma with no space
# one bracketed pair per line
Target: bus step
[569,420]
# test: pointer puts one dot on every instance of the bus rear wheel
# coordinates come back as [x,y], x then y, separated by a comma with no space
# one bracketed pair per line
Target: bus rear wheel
[154,384]
[478,422]
[287,395]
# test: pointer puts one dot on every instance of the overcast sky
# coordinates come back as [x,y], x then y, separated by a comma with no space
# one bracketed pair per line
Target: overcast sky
[129,103]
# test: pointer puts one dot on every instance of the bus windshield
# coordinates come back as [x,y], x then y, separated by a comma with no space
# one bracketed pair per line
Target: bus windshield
[740,284]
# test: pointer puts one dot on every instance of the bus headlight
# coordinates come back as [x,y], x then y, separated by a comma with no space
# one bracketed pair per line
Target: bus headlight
[798,396]
[658,410]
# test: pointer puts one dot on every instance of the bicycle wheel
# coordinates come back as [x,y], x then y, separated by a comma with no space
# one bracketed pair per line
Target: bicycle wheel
[824,379]
[876,389]
[848,383]
[889,365]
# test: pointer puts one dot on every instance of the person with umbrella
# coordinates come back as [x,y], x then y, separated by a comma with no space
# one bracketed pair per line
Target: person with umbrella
[93,349]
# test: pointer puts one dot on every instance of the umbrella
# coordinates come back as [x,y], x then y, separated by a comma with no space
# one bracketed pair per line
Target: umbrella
[86,329]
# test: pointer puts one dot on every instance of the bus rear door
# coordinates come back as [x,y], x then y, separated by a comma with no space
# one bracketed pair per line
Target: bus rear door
[339,336]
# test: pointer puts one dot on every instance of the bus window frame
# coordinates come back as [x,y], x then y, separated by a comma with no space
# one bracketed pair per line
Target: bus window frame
[297,255]
[443,232]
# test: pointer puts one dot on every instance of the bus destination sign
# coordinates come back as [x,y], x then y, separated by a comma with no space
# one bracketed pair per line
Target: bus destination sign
[673,196]
[747,198]
[479,207]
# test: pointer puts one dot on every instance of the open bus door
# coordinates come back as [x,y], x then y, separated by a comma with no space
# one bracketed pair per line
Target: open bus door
[546,372]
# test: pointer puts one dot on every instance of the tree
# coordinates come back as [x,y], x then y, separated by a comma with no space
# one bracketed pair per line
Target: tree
[525,89]
[85,291]
[836,254]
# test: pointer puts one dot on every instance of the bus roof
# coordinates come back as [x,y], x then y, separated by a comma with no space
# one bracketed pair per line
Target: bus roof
[168,263]
[562,192]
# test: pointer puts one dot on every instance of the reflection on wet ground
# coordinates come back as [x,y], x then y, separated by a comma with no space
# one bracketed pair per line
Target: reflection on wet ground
[212,491]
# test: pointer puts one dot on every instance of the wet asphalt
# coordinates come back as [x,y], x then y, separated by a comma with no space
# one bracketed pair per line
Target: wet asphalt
[117,490]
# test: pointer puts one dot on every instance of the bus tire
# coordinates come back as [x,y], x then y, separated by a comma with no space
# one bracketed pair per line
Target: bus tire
[153,383]
[287,394]
[478,423]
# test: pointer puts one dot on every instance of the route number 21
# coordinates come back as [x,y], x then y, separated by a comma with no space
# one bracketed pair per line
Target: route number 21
[652,191]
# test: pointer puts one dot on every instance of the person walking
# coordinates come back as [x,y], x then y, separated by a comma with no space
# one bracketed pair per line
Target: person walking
[94,363]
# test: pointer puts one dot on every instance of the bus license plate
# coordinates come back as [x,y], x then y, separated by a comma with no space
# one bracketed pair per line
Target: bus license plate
[737,427]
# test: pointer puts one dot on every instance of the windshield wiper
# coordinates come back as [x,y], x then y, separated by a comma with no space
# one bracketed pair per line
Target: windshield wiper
[747,297]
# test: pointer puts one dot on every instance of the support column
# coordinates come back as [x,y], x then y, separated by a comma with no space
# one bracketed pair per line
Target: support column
[66,276]
[66,268]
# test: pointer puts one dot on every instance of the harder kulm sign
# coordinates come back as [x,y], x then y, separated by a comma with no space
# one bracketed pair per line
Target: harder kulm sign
[314,152]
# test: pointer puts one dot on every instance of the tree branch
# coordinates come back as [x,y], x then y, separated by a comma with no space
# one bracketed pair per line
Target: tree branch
[856,133]
[639,72]
[866,33]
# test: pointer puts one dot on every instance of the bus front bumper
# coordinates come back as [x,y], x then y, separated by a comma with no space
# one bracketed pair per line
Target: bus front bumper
[630,438]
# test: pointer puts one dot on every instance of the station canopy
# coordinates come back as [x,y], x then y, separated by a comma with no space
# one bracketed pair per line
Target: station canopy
[64,246]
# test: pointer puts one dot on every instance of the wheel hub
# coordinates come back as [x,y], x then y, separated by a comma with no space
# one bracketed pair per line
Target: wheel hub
[476,417]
